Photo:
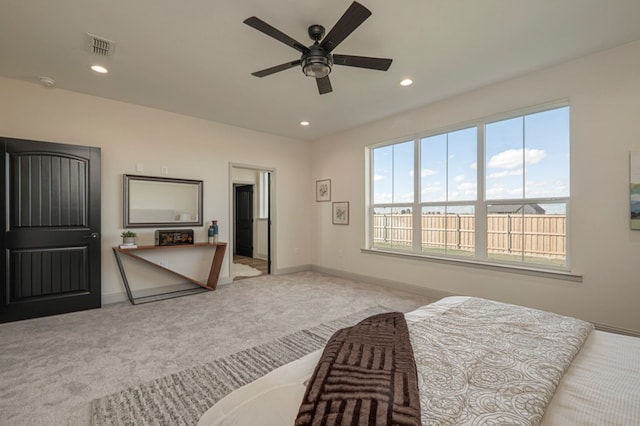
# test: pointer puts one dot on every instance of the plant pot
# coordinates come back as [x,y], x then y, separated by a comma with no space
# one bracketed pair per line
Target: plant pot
[129,241]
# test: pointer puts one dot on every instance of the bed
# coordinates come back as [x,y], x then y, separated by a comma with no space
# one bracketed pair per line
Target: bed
[481,362]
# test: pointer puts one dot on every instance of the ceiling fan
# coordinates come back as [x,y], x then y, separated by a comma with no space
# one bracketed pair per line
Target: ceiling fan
[317,59]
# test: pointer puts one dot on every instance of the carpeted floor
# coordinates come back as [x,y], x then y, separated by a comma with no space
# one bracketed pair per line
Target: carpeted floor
[52,368]
[180,399]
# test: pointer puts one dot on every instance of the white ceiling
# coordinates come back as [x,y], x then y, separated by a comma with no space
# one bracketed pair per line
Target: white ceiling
[195,57]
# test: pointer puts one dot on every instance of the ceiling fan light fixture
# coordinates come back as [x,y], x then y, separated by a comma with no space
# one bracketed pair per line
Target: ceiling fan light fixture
[316,62]
[316,70]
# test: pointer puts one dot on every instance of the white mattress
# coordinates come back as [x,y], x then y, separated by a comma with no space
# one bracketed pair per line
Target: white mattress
[602,386]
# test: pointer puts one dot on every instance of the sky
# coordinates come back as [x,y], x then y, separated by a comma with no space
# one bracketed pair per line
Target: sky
[524,156]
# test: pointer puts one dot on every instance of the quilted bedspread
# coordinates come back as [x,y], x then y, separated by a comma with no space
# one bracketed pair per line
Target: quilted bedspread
[487,363]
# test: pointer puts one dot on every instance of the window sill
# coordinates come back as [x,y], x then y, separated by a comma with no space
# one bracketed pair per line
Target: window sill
[523,270]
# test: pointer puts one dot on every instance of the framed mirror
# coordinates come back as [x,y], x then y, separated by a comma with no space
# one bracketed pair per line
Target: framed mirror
[159,202]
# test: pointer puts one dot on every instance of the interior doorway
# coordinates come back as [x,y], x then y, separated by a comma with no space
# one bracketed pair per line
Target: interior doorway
[251,240]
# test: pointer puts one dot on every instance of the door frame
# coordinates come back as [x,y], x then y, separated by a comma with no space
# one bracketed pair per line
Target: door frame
[272,244]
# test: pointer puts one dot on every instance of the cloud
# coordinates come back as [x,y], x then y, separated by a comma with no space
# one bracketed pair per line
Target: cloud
[546,189]
[459,178]
[428,172]
[435,187]
[474,166]
[382,198]
[499,192]
[512,158]
[379,177]
[505,173]
[467,187]
[407,197]
[433,192]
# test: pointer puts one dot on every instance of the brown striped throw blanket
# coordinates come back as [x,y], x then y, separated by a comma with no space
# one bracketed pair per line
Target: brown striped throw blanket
[366,375]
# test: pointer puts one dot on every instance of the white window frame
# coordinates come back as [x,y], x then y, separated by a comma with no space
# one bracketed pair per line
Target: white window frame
[481,257]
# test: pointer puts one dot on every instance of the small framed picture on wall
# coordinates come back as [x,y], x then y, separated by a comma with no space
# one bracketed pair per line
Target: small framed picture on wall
[635,190]
[341,213]
[323,190]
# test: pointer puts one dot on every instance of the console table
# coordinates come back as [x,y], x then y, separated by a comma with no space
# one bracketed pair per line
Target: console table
[212,280]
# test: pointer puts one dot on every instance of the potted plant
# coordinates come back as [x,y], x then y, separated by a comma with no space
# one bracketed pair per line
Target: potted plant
[128,238]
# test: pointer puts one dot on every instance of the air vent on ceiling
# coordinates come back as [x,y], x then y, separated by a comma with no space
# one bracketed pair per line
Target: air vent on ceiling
[99,45]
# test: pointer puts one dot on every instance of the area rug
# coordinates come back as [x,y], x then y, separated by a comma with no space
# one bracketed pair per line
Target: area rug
[181,398]
[241,270]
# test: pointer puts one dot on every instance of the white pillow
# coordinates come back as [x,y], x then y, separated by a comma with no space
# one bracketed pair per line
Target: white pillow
[272,400]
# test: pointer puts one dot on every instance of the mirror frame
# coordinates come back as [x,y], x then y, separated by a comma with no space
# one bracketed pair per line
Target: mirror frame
[127,223]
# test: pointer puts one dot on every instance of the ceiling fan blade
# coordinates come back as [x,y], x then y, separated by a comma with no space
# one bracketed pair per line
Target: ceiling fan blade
[276,69]
[355,15]
[381,64]
[262,26]
[324,85]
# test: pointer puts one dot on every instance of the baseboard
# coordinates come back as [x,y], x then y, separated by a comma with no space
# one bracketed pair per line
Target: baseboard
[111,298]
[396,285]
[293,269]
[616,330]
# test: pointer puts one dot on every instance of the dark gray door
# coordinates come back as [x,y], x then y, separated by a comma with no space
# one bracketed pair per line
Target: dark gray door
[50,227]
[244,220]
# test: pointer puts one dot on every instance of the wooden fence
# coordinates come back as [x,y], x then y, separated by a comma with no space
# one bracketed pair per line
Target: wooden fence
[511,234]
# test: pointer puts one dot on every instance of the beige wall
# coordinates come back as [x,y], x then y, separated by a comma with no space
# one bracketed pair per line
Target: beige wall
[604,94]
[190,148]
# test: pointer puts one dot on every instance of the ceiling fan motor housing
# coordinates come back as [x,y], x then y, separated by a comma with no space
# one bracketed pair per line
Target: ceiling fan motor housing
[316,32]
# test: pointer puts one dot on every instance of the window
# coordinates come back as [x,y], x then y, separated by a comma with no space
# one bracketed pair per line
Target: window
[394,195]
[496,191]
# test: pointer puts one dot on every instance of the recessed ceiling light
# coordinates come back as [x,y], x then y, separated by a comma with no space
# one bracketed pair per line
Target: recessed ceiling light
[304,123]
[406,82]
[99,68]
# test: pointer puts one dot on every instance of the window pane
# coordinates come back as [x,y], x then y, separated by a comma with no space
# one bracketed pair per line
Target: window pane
[448,166]
[504,232]
[530,233]
[528,156]
[403,172]
[433,168]
[434,235]
[545,235]
[461,170]
[448,230]
[393,173]
[504,166]
[547,154]
[393,228]
[382,174]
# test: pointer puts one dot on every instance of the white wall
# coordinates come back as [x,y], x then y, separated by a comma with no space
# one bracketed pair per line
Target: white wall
[604,94]
[190,148]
